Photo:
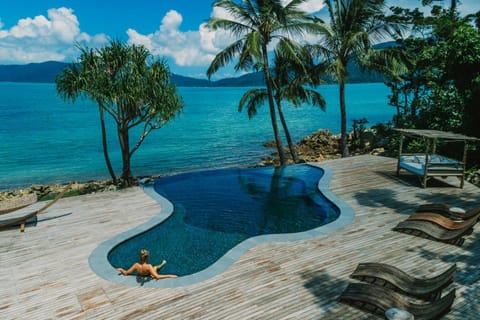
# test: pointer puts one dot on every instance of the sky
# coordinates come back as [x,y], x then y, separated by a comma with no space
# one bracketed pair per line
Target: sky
[48,30]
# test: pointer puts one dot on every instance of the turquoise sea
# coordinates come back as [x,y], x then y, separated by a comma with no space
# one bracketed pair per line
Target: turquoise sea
[46,140]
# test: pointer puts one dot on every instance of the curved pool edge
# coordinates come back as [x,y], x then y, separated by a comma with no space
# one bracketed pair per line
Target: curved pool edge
[99,263]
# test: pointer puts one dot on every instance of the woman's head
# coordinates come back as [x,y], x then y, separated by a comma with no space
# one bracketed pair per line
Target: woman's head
[144,255]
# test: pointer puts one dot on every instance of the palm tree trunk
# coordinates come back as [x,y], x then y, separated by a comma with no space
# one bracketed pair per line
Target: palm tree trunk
[273,116]
[453,6]
[343,115]
[291,146]
[104,143]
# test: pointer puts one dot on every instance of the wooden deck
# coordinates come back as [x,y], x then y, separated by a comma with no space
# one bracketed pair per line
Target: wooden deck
[45,272]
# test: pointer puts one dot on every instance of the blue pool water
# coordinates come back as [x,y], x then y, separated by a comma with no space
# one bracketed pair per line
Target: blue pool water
[216,210]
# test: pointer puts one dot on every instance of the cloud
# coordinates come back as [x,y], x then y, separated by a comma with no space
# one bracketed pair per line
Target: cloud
[193,47]
[309,6]
[45,38]
[186,48]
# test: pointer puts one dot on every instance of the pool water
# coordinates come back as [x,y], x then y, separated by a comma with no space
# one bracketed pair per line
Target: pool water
[218,209]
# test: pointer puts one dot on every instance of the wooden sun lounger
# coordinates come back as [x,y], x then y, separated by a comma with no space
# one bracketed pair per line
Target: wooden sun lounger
[433,231]
[17,203]
[444,209]
[20,217]
[377,300]
[444,221]
[388,276]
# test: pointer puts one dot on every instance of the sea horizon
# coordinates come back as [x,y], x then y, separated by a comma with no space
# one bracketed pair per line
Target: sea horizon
[48,141]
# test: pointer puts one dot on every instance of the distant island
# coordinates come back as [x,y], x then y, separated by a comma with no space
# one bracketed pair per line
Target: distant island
[46,72]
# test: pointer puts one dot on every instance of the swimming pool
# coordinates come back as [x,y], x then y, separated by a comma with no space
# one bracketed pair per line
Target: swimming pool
[217,215]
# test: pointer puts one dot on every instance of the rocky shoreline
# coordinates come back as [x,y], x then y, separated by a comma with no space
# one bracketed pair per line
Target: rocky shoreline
[321,145]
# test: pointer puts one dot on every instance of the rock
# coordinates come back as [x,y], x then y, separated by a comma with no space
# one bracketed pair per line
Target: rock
[270,144]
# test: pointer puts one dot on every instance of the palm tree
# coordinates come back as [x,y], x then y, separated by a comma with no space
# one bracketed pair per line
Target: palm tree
[256,23]
[293,78]
[348,37]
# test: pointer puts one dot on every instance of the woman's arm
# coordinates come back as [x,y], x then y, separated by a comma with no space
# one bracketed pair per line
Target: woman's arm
[129,271]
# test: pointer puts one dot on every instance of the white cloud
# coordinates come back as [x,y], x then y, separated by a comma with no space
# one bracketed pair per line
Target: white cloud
[171,21]
[186,48]
[309,6]
[45,38]
[193,48]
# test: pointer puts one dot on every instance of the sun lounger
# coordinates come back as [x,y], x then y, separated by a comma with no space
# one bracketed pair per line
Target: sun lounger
[17,203]
[377,300]
[433,231]
[443,221]
[388,276]
[449,211]
[21,216]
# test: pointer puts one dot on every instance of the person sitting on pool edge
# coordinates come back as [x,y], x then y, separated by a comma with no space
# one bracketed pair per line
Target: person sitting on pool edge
[143,268]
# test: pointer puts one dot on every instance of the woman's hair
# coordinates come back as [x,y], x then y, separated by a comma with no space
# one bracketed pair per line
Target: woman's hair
[144,255]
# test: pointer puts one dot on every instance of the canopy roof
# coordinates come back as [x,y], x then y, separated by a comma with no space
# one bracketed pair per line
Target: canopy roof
[436,134]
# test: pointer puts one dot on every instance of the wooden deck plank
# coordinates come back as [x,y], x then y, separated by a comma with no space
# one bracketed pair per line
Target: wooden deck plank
[45,272]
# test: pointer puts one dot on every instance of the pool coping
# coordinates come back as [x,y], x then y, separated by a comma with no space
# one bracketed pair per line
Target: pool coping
[99,263]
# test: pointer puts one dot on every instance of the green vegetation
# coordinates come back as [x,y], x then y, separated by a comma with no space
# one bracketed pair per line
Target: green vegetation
[292,81]
[348,37]
[128,85]
[441,89]
[434,73]
[256,23]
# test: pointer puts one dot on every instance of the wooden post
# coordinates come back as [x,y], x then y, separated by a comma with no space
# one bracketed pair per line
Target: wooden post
[425,170]
[399,153]
[464,162]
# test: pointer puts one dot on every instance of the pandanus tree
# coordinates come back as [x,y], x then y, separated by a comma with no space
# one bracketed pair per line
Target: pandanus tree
[256,24]
[348,37]
[128,84]
[294,76]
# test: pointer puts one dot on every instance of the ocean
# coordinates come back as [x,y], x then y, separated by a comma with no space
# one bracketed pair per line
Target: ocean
[46,140]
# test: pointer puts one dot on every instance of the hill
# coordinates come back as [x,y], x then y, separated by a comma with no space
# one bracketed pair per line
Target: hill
[47,71]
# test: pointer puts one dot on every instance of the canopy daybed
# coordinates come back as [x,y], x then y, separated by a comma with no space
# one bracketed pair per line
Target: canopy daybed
[429,164]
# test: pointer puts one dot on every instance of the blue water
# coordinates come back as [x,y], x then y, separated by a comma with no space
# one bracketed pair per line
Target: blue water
[216,210]
[46,140]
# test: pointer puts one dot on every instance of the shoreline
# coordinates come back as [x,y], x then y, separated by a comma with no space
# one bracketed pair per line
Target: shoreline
[320,145]
[317,147]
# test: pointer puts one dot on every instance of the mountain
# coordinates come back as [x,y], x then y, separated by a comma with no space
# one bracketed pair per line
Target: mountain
[32,72]
[47,71]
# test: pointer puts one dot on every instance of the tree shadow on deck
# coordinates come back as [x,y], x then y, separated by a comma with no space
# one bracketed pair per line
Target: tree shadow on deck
[379,198]
[389,198]
[326,289]
[467,275]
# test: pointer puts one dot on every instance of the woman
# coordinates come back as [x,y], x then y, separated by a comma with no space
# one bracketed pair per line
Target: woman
[143,268]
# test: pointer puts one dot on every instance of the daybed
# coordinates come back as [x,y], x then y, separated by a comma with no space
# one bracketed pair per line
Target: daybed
[429,164]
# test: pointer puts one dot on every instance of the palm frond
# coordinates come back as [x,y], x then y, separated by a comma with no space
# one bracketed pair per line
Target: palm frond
[253,99]
[224,57]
